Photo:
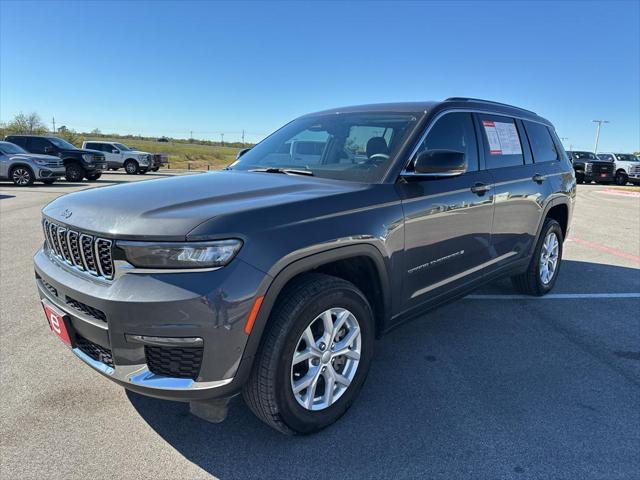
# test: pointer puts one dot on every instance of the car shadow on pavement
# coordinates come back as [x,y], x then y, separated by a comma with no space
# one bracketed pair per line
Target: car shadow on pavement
[475,389]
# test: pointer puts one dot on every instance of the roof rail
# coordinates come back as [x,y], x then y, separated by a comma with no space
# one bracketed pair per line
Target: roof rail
[468,99]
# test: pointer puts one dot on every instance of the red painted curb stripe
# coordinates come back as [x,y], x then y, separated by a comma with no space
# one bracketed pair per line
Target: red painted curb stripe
[605,249]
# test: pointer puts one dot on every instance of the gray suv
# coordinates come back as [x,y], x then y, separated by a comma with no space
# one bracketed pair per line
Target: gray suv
[273,277]
[24,168]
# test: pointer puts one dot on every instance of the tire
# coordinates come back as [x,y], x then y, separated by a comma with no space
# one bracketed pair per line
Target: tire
[532,281]
[155,169]
[22,176]
[48,181]
[92,177]
[74,173]
[579,177]
[621,178]
[269,391]
[131,167]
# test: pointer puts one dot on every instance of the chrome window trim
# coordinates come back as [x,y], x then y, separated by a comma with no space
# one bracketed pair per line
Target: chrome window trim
[441,114]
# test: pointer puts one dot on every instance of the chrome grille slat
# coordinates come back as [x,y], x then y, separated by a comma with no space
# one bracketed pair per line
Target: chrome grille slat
[81,250]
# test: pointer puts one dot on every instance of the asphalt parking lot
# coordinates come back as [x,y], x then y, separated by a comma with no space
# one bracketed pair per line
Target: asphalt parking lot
[493,386]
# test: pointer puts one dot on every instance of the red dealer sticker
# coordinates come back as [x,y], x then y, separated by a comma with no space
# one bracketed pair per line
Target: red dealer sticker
[57,322]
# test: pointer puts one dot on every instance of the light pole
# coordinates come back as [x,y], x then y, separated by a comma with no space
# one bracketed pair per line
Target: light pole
[599,122]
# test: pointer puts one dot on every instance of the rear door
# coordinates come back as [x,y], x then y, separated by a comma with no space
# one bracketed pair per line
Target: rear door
[447,219]
[520,187]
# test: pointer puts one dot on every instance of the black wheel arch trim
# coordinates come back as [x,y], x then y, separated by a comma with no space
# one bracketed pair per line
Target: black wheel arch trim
[272,286]
[554,202]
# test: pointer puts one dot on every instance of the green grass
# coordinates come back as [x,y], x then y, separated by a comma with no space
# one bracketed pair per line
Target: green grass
[181,155]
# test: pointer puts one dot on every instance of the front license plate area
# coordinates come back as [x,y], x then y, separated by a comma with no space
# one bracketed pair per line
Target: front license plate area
[58,322]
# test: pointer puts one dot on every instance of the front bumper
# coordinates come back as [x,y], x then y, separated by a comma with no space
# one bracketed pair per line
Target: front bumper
[210,305]
[45,172]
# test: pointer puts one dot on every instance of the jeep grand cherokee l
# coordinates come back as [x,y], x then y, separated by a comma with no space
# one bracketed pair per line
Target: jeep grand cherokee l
[273,277]
[78,163]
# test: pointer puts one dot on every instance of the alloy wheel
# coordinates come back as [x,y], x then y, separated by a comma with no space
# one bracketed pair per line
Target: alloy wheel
[326,359]
[549,258]
[21,176]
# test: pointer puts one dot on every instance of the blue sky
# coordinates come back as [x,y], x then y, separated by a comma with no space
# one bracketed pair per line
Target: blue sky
[165,68]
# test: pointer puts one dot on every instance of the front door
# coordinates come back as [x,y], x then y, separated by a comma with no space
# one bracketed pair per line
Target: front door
[447,220]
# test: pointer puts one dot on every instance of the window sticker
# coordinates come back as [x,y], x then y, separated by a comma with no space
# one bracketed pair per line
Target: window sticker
[503,138]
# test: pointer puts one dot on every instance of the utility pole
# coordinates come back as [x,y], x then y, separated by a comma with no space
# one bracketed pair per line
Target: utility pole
[191,135]
[599,122]
[243,138]
[222,139]
[53,120]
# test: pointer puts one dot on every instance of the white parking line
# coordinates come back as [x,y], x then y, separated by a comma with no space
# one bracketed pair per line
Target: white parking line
[553,296]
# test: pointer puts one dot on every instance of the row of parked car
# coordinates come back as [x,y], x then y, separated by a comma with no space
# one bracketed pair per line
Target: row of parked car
[621,168]
[25,159]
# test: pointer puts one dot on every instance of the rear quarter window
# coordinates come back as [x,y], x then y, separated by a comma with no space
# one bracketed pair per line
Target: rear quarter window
[542,145]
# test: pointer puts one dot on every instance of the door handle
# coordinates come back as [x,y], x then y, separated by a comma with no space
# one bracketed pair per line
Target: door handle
[480,188]
[538,178]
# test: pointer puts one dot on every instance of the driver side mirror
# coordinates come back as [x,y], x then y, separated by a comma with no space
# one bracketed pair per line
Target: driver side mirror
[440,163]
[115,151]
[242,152]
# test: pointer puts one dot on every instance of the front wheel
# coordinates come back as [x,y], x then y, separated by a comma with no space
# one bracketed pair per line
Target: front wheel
[314,357]
[74,173]
[22,176]
[542,273]
[621,178]
[131,167]
[92,177]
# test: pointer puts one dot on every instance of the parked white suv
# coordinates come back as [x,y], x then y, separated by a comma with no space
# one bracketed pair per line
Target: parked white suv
[627,167]
[118,155]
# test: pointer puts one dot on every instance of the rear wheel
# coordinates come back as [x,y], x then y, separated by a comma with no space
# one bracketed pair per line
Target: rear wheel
[74,173]
[22,176]
[131,167]
[542,273]
[314,357]
[621,178]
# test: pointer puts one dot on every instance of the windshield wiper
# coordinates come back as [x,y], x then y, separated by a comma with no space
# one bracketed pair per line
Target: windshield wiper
[286,171]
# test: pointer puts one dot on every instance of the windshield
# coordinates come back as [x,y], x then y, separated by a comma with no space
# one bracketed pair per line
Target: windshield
[60,143]
[624,157]
[9,148]
[120,146]
[584,156]
[350,146]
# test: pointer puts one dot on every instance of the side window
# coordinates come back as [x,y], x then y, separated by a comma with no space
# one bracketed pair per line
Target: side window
[20,141]
[542,146]
[606,156]
[502,143]
[38,145]
[92,146]
[454,131]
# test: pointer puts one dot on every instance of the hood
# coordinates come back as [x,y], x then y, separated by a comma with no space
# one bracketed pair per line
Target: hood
[48,158]
[168,209]
[136,152]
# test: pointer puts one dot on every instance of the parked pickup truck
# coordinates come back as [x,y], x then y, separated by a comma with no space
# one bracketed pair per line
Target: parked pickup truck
[78,163]
[119,155]
[626,167]
[589,168]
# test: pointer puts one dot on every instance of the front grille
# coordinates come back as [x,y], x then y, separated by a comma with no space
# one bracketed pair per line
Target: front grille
[86,252]
[602,168]
[634,170]
[95,351]
[177,362]
[87,309]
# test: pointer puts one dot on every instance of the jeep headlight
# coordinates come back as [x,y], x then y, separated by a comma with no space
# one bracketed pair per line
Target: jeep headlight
[180,255]
[87,157]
